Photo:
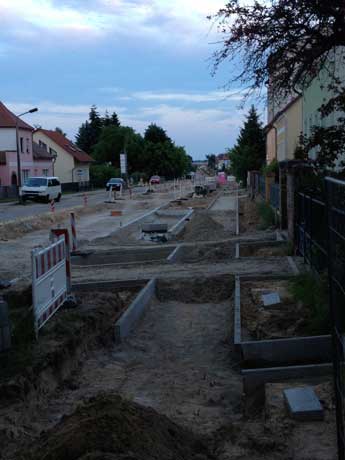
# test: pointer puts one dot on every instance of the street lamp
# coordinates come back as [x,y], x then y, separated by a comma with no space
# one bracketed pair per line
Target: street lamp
[19,175]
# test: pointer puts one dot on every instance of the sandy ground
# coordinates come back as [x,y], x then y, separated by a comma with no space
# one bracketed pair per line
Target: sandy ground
[179,361]
[16,254]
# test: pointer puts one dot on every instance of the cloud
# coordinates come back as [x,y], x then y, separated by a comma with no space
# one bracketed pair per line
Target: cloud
[211,96]
[160,20]
[200,130]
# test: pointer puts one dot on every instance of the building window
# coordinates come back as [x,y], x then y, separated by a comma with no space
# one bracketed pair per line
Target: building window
[52,152]
[45,172]
[25,174]
[21,144]
[42,144]
[27,145]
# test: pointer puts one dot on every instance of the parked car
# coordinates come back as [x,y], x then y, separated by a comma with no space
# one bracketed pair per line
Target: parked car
[46,188]
[155,180]
[115,183]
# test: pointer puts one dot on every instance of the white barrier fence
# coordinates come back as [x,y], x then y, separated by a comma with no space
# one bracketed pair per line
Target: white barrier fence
[49,281]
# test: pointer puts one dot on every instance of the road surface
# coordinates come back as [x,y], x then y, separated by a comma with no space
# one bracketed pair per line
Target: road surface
[13,210]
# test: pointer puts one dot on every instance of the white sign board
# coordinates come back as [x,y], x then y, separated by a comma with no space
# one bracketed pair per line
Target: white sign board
[49,281]
[123,163]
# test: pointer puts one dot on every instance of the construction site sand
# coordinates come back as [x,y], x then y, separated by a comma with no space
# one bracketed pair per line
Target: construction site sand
[288,319]
[110,428]
[207,253]
[179,361]
[207,225]
[32,371]
[272,435]
[96,222]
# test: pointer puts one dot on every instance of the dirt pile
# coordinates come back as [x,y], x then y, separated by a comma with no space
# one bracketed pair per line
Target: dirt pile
[108,427]
[203,228]
[62,339]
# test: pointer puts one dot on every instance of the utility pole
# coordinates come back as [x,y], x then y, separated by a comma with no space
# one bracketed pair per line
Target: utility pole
[19,171]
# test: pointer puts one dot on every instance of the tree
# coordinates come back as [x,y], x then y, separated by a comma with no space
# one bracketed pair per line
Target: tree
[211,161]
[287,43]
[156,134]
[288,40]
[113,141]
[59,130]
[90,131]
[249,151]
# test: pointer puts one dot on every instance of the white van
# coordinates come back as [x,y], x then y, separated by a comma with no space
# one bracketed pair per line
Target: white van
[46,188]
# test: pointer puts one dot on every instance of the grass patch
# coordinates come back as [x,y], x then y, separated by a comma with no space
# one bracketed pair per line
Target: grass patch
[312,291]
[267,216]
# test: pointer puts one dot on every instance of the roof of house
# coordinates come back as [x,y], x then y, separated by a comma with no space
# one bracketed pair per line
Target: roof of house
[9,119]
[222,156]
[67,145]
[40,153]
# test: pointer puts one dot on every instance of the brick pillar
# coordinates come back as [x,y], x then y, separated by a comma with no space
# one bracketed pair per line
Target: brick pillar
[269,179]
[290,191]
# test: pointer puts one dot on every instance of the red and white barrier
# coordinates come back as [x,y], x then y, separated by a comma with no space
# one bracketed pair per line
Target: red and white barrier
[52,206]
[74,232]
[49,281]
[85,199]
[57,233]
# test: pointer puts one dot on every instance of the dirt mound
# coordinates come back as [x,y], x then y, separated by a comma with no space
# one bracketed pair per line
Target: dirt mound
[108,427]
[202,228]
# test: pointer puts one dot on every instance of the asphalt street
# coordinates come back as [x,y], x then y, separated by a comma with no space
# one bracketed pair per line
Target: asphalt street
[14,210]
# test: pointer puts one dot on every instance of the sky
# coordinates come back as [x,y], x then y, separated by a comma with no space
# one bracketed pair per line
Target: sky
[147,60]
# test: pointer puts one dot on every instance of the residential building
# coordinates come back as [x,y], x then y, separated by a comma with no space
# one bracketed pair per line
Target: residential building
[31,164]
[71,164]
[222,161]
[283,132]
[319,93]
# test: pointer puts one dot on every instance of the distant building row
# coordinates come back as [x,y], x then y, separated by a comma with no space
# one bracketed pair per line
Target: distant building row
[42,153]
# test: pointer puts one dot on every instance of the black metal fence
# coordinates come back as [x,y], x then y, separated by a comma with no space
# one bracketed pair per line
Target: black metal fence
[275,196]
[335,199]
[311,230]
[262,186]
[320,239]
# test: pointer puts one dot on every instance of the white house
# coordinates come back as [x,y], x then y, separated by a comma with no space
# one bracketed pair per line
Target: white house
[71,164]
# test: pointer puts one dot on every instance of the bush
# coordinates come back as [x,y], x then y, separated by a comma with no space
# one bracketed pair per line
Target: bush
[272,167]
[100,174]
[136,176]
[267,216]
[312,291]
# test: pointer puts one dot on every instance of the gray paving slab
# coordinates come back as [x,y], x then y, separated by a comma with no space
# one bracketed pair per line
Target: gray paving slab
[303,404]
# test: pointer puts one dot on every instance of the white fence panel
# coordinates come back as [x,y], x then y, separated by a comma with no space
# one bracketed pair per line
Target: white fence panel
[49,281]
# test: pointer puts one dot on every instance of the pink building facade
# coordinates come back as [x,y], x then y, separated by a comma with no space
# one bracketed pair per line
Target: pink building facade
[32,161]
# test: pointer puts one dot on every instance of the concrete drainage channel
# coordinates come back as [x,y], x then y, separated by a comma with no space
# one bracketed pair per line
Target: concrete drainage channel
[275,359]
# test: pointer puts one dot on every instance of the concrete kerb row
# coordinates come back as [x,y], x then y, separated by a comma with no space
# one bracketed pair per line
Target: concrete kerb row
[180,225]
[172,258]
[128,320]
[288,358]
[134,312]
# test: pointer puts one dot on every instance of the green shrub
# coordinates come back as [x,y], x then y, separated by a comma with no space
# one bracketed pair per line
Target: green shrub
[312,291]
[272,167]
[100,174]
[267,216]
